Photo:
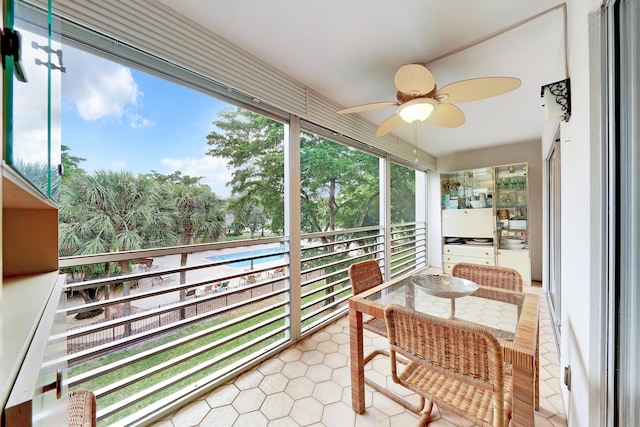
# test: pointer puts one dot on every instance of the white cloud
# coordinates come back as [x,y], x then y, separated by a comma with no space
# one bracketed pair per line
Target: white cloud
[118,165]
[96,87]
[100,88]
[30,108]
[137,121]
[213,170]
[105,94]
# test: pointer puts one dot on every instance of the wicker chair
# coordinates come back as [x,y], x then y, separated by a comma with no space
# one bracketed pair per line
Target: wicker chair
[365,275]
[489,275]
[454,364]
[82,408]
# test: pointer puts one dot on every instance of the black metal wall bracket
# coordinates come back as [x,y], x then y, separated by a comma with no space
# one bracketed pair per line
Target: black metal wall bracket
[10,46]
[561,91]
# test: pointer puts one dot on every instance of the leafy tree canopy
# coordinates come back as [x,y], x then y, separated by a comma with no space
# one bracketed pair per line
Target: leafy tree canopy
[199,216]
[403,190]
[253,147]
[113,211]
[70,163]
[339,185]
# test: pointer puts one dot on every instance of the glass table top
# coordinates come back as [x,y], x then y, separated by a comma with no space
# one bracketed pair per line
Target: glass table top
[496,310]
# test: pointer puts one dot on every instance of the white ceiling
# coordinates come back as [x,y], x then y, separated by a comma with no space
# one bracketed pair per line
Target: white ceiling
[349,50]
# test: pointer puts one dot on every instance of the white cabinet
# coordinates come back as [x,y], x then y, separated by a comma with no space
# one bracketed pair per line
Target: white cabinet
[517,259]
[452,254]
[468,223]
[468,236]
[484,218]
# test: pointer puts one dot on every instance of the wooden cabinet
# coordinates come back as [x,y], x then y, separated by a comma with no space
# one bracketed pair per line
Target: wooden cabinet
[517,259]
[33,391]
[32,385]
[33,366]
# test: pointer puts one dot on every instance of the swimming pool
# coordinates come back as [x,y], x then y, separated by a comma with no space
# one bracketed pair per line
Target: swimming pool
[277,254]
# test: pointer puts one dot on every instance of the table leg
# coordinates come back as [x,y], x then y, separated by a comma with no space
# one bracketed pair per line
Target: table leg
[523,392]
[356,349]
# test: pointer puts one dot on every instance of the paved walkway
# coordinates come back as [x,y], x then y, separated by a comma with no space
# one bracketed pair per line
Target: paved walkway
[193,276]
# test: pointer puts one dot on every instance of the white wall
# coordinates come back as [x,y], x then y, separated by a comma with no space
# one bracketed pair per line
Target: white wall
[581,343]
[529,152]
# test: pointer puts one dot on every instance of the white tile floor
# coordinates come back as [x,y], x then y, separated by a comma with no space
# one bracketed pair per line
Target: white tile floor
[309,385]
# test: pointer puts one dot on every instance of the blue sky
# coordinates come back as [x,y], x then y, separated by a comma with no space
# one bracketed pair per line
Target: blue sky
[118,118]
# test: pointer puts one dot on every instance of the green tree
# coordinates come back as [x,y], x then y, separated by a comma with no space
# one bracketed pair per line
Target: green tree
[113,211]
[199,217]
[403,194]
[340,185]
[247,214]
[253,147]
[198,214]
[44,179]
[70,164]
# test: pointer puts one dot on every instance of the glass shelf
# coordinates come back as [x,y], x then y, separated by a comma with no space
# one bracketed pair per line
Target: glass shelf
[512,202]
[469,189]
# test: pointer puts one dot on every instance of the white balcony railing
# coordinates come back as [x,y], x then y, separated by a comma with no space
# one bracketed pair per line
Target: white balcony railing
[185,319]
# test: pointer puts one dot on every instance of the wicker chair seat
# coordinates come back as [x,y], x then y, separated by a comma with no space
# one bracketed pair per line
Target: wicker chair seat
[454,364]
[473,403]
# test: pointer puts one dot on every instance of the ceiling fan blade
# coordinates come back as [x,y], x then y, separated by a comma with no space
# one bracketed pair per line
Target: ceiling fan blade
[414,80]
[368,107]
[447,116]
[474,89]
[389,124]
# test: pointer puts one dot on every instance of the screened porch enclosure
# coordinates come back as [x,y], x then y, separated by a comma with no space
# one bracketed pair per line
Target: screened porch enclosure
[169,339]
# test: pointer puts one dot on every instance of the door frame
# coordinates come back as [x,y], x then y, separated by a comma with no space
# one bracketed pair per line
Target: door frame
[552,194]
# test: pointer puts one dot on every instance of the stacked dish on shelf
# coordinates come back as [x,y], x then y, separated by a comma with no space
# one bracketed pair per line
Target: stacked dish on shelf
[513,242]
[479,242]
[459,241]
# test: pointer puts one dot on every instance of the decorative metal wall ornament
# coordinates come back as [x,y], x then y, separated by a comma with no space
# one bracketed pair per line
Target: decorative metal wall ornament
[557,100]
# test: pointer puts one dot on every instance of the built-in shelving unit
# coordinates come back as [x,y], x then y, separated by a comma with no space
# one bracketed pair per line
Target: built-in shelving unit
[31,295]
[512,222]
[484,218]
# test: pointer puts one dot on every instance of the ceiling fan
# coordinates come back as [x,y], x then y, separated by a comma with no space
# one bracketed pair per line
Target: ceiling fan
[420,100]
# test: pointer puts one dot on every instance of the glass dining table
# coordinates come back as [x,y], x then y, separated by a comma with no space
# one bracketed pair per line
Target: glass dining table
[511,316]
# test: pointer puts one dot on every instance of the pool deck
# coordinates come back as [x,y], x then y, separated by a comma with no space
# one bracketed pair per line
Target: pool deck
[199,258]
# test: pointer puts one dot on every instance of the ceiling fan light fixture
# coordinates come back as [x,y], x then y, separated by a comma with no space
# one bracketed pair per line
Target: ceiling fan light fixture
[416,109]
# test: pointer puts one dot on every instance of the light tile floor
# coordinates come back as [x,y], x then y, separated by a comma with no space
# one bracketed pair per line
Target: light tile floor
[309,385]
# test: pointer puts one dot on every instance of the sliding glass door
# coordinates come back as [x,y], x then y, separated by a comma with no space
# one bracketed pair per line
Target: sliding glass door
[553,238]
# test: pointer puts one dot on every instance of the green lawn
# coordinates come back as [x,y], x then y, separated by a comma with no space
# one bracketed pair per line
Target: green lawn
[149,362]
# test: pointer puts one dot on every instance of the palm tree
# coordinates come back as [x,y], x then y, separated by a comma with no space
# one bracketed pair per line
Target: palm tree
[199,219]
[113,211]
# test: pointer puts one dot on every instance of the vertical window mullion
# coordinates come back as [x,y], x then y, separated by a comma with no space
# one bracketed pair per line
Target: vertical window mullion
[292,221]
